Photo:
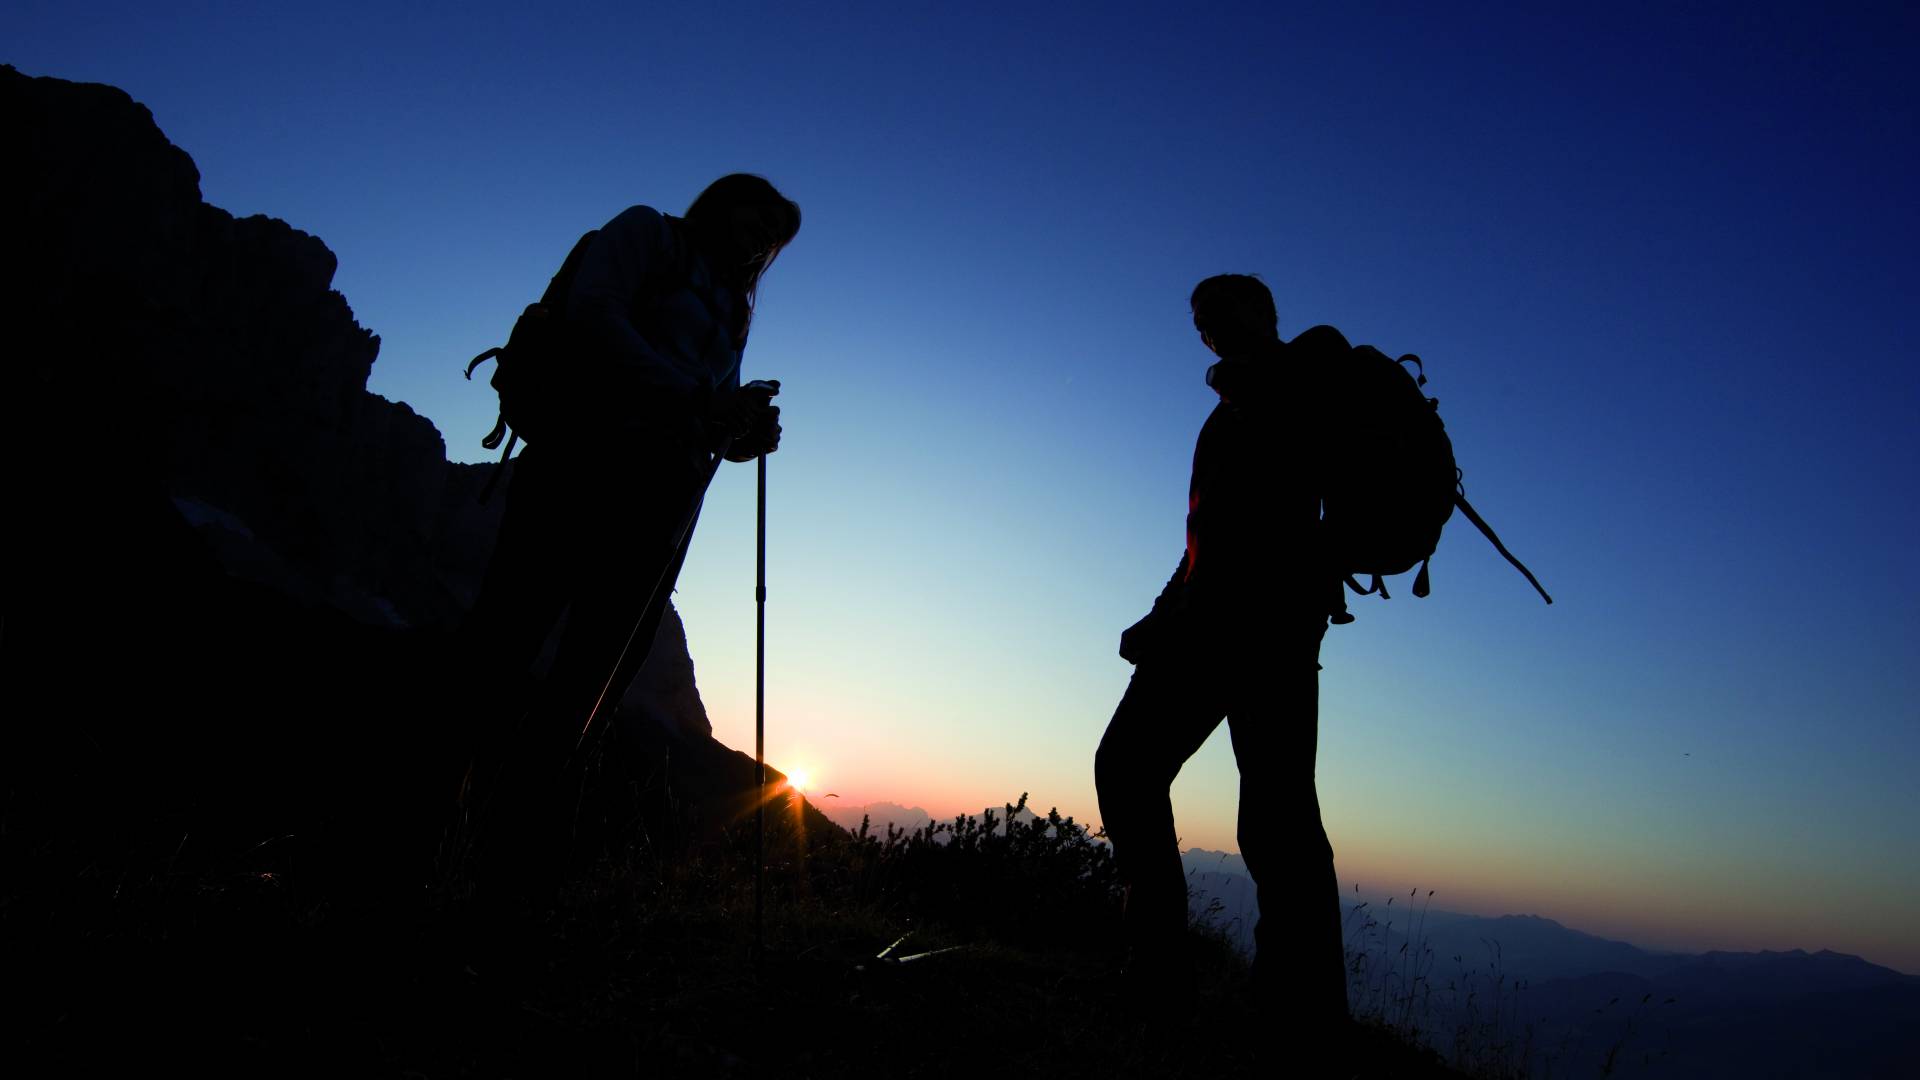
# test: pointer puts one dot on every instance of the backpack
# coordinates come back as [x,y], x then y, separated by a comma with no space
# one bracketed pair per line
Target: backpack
[529,374]
[1391,480]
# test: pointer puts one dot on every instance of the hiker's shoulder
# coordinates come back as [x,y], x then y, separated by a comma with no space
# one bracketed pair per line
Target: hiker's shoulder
[638,214]
[642,224]
[1322,338]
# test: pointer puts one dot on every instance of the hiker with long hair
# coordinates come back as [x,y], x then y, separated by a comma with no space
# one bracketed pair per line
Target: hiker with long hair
[1236,634]
[654,325]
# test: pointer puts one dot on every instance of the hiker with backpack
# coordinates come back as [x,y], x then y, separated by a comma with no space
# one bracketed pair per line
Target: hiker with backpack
[625,384]
[1236,634]
[1322,463]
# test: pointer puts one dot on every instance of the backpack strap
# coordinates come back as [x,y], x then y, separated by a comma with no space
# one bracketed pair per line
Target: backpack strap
[499,467]
[481,359]
[499,428]
[1374,586]
[1487,531]
[1422,586]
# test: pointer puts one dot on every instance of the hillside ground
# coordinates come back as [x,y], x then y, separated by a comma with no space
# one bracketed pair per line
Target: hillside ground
[648,966]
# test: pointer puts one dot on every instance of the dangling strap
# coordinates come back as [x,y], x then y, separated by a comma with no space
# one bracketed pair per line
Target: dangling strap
[1487,530]
[499,428]
[1374,586]
[500,422]
[1421,586]
[481,359]
[499,469]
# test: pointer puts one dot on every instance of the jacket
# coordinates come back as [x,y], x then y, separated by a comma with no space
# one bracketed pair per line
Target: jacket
[1253,563]
[651,326]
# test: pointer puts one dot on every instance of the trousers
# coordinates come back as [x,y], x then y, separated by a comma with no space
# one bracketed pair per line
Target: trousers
[1270,700]
[588,534]
[591,535]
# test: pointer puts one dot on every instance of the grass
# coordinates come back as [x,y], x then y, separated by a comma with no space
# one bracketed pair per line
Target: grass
[1476,1016]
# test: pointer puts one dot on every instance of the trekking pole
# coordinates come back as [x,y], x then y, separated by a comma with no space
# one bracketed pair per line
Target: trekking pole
[760,718]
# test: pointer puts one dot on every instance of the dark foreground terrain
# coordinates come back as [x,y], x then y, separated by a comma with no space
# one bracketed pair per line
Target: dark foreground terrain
[647,968]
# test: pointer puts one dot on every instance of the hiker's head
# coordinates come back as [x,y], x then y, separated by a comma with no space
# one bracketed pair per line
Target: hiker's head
[1234,314]
[741,222]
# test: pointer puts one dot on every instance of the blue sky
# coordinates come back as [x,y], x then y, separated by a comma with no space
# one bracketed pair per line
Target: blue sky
[1660,265]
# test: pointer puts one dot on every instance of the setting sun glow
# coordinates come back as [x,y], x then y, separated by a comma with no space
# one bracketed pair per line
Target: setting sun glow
[798,780]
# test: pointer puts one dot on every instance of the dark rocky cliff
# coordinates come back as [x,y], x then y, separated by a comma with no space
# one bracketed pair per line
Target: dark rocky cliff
[212,354]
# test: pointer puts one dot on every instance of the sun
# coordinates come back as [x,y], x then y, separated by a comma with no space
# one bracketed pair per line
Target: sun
[798,779]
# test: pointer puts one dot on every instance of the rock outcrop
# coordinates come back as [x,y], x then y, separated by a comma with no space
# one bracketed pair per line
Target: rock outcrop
[230,570]
[213,353]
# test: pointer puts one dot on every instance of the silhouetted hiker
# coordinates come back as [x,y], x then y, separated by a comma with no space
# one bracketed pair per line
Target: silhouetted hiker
[651,330]
[1236,634]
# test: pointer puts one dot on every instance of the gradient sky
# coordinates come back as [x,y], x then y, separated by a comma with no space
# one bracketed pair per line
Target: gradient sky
[1661,267]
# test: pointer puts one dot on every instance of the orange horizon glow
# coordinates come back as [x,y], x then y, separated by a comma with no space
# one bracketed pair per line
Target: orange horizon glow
[1635,906]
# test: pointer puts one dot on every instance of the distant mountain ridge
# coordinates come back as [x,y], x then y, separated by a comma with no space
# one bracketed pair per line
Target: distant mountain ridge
[1671,1015]
[880,816]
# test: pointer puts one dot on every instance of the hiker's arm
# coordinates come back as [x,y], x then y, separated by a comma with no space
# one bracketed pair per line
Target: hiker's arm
[1170,594]
[1144,638]
[629,256]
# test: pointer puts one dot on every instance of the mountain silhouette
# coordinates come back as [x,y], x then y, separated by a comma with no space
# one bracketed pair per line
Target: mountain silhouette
[1712,1014]
[1765,1014]
[880,816]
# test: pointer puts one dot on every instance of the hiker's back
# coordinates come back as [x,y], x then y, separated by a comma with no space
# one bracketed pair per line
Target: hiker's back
[652,328]
[626,348]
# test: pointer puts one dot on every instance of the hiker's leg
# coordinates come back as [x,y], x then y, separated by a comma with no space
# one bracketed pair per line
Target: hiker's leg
[612,624]
[1167,712]
[534,573]
[620,558]
[1275,727]
[502,827]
